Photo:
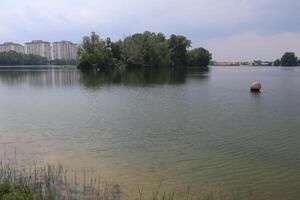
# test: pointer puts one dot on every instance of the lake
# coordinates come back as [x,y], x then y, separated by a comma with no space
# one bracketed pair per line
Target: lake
[202,129]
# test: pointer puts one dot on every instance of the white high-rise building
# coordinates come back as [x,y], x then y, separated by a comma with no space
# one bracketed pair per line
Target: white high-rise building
[10,46]
[65,50]
[39,48]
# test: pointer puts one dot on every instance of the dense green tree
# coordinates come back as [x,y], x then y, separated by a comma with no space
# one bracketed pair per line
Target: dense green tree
[198,57]
[95,53]
[179,45]
[141,50]
[277,62]
[132,50]
[14,58]
[146,50]
[289,59]
[116,49]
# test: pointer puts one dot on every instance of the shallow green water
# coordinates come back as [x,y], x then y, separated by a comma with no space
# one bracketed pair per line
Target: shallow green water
[200,128]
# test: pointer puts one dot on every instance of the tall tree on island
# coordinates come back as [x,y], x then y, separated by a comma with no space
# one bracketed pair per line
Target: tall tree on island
[277,62]
[289,59]
[198,57]
[179,45]
[95,53]
[146,50]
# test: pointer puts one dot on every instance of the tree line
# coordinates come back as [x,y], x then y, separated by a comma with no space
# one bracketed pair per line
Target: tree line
[140,50]
[288,59]
[13,58]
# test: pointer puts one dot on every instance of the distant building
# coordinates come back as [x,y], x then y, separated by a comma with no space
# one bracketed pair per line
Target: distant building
[222,63]
[262,63]
[246,63]
[39,48]
[65,50]
[10,46]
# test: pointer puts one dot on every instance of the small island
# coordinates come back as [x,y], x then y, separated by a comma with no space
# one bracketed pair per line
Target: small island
[139,51]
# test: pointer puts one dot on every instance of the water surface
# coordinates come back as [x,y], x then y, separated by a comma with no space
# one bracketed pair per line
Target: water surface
[198,128]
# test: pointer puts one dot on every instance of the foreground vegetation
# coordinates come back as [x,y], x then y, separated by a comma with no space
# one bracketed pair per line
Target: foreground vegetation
[50,183]
[53,182]
[141,50]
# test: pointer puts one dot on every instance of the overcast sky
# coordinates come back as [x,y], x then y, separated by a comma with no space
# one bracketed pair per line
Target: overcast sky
[230,29]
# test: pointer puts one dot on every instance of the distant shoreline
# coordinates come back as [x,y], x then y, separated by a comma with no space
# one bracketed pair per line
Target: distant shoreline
[75,66]
[36,66]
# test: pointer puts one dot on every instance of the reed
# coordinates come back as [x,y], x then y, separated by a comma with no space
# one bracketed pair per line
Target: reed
[53,182]
[49,182]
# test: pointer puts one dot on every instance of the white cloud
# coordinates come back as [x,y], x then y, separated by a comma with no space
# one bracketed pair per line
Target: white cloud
[199,20]
[250,46]
[5,33]
[118,12]
[3,30]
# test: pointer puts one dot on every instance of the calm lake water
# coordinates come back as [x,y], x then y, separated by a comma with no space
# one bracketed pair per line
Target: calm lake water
[202,129]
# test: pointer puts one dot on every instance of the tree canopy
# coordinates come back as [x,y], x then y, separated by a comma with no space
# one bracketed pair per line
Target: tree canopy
[289,59]
[95,52]
[140,50]
[198,57]
[14,58]
[178,45]
[277,62]
[146,50]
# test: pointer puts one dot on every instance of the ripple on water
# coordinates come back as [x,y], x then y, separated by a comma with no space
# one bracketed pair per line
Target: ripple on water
[205,130]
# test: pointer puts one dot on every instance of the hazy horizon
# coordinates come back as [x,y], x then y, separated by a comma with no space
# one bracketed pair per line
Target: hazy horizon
[231,30]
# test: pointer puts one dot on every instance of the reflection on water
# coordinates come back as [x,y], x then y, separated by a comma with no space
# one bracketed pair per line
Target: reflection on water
[134,77]
[53,76]
[39,77]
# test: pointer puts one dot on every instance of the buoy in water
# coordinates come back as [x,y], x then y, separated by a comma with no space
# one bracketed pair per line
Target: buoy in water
[255,87]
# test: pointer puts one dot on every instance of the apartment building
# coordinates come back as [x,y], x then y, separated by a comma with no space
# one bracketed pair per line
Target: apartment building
[39,47]
[65,50]
[10,46]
